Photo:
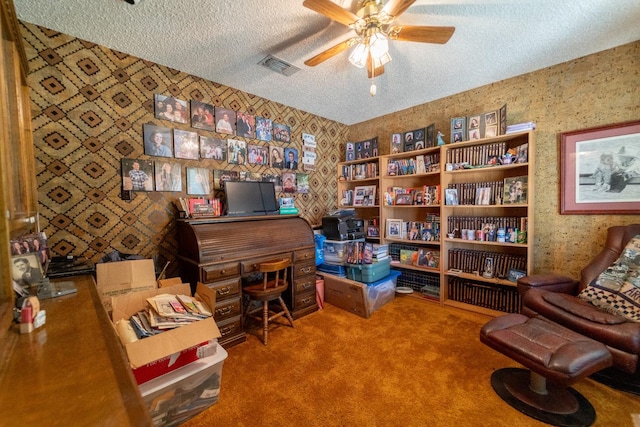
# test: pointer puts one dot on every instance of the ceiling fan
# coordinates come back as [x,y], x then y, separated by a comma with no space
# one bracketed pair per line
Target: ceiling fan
[374,26]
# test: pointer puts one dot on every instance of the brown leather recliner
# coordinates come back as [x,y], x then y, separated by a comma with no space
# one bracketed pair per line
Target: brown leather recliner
[555,298]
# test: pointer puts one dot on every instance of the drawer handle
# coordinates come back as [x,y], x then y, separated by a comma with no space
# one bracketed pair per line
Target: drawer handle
[306,285]
[223,271]
[306,269]
[306,300]
[224,310]
[224,331]
[224,291]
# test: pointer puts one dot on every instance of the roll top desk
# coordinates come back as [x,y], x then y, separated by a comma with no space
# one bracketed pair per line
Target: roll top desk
[220,251]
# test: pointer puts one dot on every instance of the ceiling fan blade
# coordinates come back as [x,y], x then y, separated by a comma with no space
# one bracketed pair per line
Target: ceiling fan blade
[370,71]
[331,11]
[411,33]
[395,8]
[332,51]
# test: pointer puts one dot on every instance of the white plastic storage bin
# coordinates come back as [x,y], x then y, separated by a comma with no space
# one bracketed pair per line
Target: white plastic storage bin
[177,396]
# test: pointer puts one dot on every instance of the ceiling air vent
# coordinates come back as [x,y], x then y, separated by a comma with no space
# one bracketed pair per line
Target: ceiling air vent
[278,65]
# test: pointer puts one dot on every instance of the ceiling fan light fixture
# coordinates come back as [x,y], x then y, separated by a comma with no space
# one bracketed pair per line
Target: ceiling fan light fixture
[359,55]
[378,44]
[381,60]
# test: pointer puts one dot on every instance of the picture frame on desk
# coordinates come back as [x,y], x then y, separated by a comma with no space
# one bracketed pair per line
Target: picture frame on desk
[600,170]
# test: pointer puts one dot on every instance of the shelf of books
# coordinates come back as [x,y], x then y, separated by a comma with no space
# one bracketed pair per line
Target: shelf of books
[410,215]
[487,220]
[358,188]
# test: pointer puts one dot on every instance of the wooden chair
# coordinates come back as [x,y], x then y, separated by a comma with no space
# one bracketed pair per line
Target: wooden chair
[268,290]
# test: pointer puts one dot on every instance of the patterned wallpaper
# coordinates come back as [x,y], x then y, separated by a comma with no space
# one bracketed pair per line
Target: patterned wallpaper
[89,105]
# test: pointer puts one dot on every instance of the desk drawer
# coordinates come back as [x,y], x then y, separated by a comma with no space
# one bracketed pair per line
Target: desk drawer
[229,327]
[211,273]
[305,267]
[304,255]
[251,265]
[305,284]
[226,289]
[227,308]
[304,300]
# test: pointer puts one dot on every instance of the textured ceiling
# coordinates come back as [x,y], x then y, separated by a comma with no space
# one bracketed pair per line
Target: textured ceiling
[223,41]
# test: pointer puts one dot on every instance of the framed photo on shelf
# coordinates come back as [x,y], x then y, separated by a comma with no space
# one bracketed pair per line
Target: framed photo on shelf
[451,196]
[430,136]
[515,190]
[394,228]
[458,129]
[404,199]
[364,195]
[396,143]
[600,170]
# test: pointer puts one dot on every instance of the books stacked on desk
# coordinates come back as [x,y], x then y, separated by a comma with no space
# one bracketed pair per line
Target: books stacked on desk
[166,311]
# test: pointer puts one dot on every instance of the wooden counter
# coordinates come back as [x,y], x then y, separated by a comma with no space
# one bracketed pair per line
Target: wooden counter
[71,371]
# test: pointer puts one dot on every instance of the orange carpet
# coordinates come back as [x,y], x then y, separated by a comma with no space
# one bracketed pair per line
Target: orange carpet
[413,363]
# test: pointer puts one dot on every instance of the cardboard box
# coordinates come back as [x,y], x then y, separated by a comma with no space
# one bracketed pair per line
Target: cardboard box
[180,395]
[157,355]
[123,277]
[357,297]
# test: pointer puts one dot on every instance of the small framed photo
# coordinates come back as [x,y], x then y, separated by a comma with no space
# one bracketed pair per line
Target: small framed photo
[213,148]
[225,121]
[158,141]
[396,143]
[408,141]
[276,157]
[26,270]
[137,175]
[418,139]
[418,198]
[287,202]
[302,183]
[515,190]
[394,228]
[430,136]
[246,125]
[168,176]
[288,182]
[264,129]
[373,231]
[236,152]
[281,133]
[458,129]
[198,181]
[258,155]
[404,199]
[170,108]
[202,116]
[185,144]
[291,158]
[451,196]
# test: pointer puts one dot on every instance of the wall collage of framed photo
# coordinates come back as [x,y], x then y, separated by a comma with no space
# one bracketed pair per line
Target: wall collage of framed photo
[167,145]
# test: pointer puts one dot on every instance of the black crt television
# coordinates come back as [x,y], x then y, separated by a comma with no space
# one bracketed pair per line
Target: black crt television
[249,198]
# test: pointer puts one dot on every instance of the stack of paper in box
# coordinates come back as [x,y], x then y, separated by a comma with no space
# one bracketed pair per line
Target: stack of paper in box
[167,311]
